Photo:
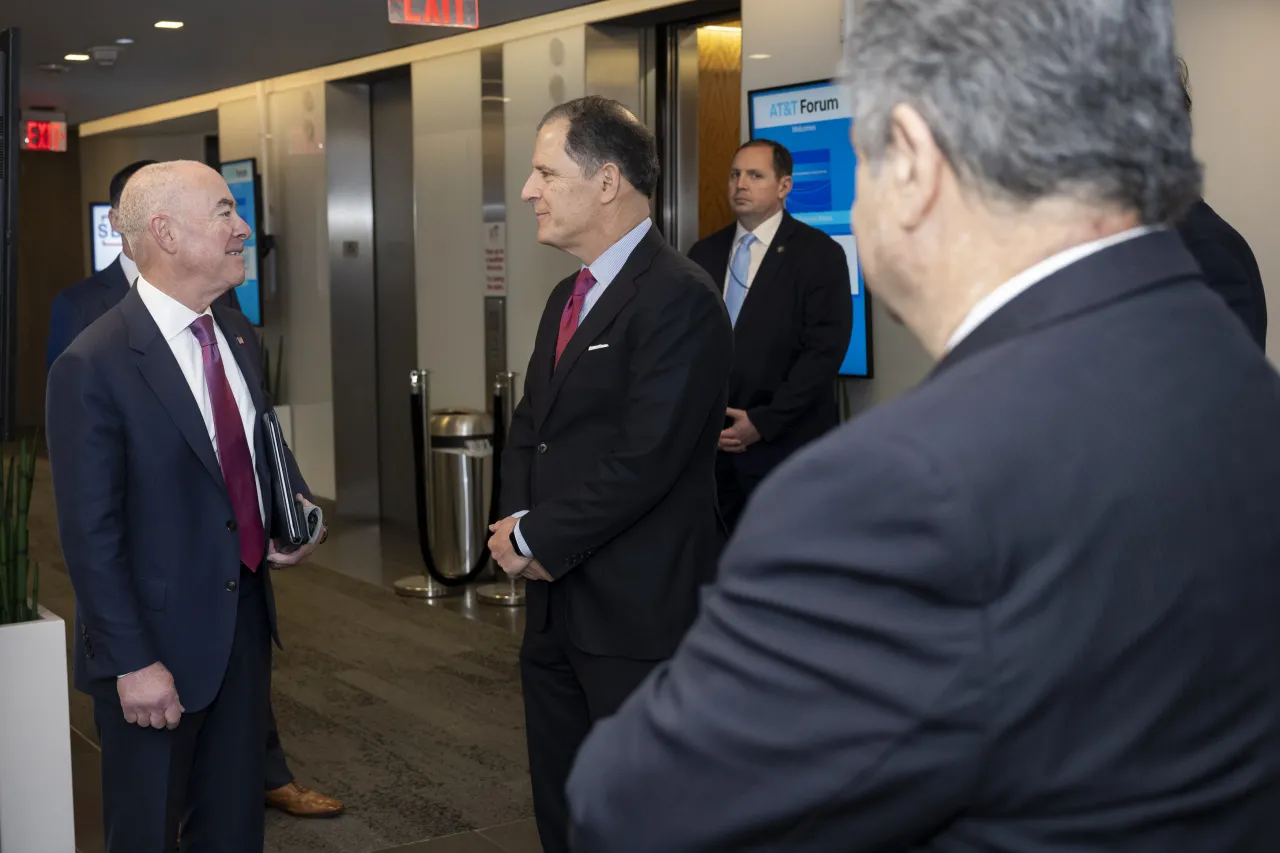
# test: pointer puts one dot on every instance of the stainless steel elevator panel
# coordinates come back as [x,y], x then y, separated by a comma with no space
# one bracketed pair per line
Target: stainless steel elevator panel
[395,290]
[351,281]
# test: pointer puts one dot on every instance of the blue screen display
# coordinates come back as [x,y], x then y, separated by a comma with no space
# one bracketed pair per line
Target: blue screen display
[813,121]
[242,180]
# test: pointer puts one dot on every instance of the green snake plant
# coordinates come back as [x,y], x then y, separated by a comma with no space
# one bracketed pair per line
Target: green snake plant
[19,577]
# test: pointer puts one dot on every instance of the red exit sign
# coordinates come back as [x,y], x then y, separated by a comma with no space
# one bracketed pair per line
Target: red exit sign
[44,135]
[435,13]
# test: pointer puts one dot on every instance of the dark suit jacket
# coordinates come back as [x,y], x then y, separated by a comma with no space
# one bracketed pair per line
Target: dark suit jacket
[790,339]
[1030,607]
[614,455]
[1229,266]
[75,307]
[143,513]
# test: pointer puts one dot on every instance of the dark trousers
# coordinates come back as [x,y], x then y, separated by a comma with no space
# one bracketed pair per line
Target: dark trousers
[565,692]
[278,773]
[207,774]
[734,489]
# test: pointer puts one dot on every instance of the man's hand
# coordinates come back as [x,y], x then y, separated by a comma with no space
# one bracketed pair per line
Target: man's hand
[278,559]
[500,547]
[535,572]
[740,435]
[149,698]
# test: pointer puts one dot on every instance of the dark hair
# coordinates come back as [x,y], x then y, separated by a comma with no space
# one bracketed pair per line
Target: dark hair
[122,177]
[783,165]
[604,131]
[1184,74]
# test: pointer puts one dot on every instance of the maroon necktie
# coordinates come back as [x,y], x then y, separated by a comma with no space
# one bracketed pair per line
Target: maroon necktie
[233,447]
[569,319]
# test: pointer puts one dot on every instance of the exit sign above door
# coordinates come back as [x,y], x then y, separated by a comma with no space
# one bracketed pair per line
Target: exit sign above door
[435,13]
[44,135]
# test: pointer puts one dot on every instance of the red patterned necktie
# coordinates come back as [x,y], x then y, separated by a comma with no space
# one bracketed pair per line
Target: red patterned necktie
[233,448]
[569,319]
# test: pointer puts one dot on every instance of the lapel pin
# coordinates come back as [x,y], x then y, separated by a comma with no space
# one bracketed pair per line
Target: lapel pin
[781,249]
[239,339]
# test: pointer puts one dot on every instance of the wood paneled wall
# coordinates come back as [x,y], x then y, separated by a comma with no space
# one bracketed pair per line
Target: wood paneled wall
[52,224]
[719,122]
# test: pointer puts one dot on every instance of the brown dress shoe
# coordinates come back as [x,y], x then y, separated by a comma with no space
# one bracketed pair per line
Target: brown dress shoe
[301,801]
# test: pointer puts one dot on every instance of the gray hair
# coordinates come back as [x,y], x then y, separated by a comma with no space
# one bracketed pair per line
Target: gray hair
[602,131]
[1030,99]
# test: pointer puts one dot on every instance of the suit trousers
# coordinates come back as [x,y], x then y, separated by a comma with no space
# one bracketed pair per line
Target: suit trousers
[278,773]
[206,775]
[566,691]
[734,489]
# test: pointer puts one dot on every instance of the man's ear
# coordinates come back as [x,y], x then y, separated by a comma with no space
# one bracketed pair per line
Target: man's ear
[610,178]
[916,165]
[162,230]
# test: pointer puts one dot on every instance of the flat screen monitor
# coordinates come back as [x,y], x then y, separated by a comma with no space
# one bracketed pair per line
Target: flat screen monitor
[105,240]
[813,121]
[242,177]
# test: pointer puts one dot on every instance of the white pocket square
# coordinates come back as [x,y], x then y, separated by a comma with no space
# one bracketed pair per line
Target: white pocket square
[597,346]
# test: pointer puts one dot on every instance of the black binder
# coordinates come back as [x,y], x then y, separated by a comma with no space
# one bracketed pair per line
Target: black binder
[293,525]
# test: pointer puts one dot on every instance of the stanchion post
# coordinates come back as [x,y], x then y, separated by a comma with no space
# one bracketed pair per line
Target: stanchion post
[508,591]
[423,585]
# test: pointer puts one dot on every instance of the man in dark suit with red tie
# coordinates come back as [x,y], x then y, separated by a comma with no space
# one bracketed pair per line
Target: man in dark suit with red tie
[609,473]
[164,502]
[74,309]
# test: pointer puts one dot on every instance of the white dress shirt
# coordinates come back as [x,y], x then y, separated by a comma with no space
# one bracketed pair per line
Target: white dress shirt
[174,320]
[130,269]
[1023,281]
[764,234]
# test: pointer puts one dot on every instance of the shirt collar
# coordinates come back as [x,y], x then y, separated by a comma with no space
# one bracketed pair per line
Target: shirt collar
[170,315]
[765,231]
[1016,286]
[130,269]
[610,263]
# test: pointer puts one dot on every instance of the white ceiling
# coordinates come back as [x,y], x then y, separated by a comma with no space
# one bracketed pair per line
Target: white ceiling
[224,43]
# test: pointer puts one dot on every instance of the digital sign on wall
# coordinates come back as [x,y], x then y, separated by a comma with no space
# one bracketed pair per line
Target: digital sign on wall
[813,121]
[242,178]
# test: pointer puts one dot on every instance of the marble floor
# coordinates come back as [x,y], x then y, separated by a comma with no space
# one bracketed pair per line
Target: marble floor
[407,710]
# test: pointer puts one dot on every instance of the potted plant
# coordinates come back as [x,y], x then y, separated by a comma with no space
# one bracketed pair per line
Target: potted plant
[36,807]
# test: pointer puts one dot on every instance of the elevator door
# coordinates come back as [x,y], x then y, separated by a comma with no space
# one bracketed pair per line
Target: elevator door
[391,105]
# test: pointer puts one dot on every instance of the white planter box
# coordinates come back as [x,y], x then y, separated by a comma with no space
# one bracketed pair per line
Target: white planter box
[36,805]
[284,414]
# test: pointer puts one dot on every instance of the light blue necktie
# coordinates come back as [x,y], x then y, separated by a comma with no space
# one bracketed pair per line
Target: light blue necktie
[736,293]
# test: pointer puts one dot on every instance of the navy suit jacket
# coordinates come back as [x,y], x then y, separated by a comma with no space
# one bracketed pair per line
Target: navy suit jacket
[146,525]
[790,339]
[1229,266]
[75,307]
[1030,607]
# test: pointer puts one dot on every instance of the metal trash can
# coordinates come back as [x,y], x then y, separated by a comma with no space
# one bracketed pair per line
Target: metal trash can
[461,485]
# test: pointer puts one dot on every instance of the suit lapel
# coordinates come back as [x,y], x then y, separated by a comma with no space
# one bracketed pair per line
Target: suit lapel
[161,371]
[769,267]
[720,246]
[615,297]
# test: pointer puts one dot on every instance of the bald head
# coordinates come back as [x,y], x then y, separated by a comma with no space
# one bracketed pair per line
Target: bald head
[157,190]
[180,221]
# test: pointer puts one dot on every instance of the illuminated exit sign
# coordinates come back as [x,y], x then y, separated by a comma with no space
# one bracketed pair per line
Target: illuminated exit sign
[44,135]
[435,13]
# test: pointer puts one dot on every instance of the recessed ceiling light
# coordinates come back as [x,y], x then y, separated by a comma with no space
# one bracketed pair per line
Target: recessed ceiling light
[76,57]
[760,56]
[124,41]
[168,25]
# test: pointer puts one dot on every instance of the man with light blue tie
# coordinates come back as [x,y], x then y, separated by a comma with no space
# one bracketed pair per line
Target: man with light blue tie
[786,286]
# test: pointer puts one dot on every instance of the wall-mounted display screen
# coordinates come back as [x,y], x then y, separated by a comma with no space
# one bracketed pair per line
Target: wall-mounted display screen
[242,177]
[813,121]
